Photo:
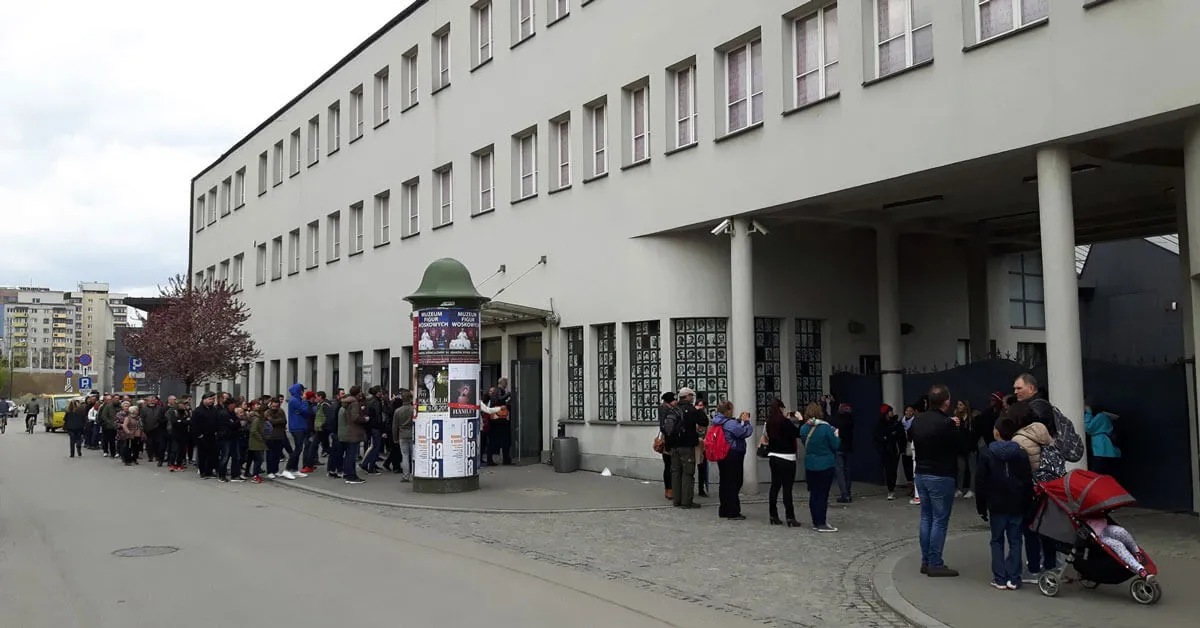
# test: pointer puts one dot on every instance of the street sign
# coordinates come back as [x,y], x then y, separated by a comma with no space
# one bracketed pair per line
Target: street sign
[135,365]
[70,375]
[85,360]
[138,375]
[68,387]
[85,383]
[128,384]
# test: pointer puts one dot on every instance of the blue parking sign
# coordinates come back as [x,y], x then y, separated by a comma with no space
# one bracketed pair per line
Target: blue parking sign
[85,383]
[135,365]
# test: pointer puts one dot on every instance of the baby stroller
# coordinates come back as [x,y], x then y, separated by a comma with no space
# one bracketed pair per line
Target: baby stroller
[1064,506]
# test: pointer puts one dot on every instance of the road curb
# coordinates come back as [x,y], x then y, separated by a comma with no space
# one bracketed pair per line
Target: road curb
[885,587]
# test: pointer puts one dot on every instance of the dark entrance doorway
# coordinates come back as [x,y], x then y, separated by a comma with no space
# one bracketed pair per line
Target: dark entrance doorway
[527,399]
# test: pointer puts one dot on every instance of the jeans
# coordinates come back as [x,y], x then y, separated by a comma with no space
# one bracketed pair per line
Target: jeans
[966,470]
[406,458]
[207,455]
[819,483]
[1006,567]
[843,474]
[312,445]
[350,460]
[730,483]
[666,458]
[783,476]
[242,451]
[274,454]
[683,466]
[371,459]
[937,500]
[108,441]
[702,474]
[257,458]
[1040,551]
[299,444]
[178,450]
[224,452]
[336,451]
[155,441]
[76,442]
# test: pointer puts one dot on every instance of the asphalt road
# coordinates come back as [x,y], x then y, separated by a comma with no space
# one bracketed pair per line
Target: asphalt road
[251,555]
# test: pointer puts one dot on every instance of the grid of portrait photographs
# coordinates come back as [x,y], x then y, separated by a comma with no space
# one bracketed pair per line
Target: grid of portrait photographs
[575,405]
[606,371]
[767,332]
[701,362]
[809,371]
[644,380]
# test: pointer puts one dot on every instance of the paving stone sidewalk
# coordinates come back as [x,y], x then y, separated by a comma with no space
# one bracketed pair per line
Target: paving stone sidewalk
[772,574]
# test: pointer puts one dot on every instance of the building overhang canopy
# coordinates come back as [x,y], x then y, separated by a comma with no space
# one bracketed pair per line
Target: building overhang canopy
[499,314]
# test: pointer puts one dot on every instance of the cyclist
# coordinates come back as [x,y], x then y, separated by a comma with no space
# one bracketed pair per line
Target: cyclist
[5,408]
[32,409]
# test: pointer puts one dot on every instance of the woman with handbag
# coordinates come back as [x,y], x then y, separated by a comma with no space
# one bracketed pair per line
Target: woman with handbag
[821,444]
[779,447]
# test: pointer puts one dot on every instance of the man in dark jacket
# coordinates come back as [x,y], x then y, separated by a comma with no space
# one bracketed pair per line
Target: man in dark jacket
[1003,496]
[936,443]
[682,445]
[228,463]
[352,429]
[155,428]
[179,425]
[204,433]
[373,409]
[843,422]
[402,435]
[108,426]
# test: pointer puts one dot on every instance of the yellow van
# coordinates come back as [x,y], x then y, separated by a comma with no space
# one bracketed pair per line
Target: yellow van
[54,410]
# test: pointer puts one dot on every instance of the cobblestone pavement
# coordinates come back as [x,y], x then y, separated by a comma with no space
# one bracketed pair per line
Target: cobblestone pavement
[771,574]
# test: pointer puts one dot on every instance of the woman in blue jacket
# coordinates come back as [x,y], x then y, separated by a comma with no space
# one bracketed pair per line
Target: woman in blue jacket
[736,432]
[821,444]
[1106,456]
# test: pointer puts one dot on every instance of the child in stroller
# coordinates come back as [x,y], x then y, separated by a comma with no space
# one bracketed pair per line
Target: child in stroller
[1076,512]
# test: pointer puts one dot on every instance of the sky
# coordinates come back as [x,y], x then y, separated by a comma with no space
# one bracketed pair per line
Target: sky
[108,109]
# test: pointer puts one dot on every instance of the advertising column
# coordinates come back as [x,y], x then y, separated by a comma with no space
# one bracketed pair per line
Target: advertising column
[447,424]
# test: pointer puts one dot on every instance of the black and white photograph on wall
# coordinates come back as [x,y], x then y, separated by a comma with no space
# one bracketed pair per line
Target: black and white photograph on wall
[767,382]
[700,358]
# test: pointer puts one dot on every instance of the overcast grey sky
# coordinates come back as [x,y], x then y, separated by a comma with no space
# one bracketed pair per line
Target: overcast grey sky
[108,109]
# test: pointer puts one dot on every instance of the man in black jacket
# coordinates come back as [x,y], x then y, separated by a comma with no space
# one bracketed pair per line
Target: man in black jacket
[843,422]
[936,443]
[374,413]
[682,445]
[204,433]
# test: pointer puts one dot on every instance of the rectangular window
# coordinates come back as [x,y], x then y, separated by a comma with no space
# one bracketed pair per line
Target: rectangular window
[1026,296]
[294,251]
[239,264]
[263,173]
[200,212]
[767,382]
[411,206]
[557,10]
[743,86]
[575,375]
[223,272]
[313,245]
[382,96]
[444,194]
[356,113]
[685,106]
[356,228]
[962,352]
[523,20]
[483,173]
[561,132]
[226,196]
[996,17]
[441,61]
[278,178]
[637,147]
[903,34]
[810,371]
[816,57]
[700,357]
[239,188]
[606,371]
[482,32]
[295,152]
[314,140]
[260,269]
[212,205]
[277,258]
[333,120]
[597,134]
[383,218]
[645,384]
[408,78]
[333,230]
[526,154]
[1031,354]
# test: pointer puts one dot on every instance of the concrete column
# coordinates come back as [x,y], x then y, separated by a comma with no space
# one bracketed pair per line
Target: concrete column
[1189,253]
[741,338]
[1064,352]
[891,367]
[979,312]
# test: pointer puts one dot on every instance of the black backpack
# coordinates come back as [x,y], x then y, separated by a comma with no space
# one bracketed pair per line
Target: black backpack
[674,425]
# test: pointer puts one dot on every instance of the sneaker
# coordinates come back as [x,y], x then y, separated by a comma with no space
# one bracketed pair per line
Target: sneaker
[969,494]
[174,469]
[237,479]
[288,475]
[223,479]
[301,474]
[825,528]
[1010,586]
[336,476]
[375,472]
[257,479]
[957,494]
[916,501]
[356,481]
[1031,577]
[941,572]
[843,500]
[306,470]
[271,476]
[891,496]
[1000,587]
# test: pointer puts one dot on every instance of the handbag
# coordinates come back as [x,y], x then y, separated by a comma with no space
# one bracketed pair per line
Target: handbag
[763,448]
[660,444]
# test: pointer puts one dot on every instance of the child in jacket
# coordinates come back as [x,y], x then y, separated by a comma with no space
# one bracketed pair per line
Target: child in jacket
[1003,497]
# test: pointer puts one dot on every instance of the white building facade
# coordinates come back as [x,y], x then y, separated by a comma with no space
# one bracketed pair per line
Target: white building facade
[737,196]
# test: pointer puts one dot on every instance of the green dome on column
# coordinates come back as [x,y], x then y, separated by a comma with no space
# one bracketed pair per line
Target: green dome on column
[447,283]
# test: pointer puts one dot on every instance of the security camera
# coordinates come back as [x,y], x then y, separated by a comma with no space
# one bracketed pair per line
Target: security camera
[726,226]
[756,227]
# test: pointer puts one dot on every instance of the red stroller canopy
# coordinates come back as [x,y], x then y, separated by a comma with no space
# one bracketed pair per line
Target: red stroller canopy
[1085,493]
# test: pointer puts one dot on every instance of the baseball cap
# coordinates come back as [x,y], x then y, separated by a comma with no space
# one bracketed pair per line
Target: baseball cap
[686,392]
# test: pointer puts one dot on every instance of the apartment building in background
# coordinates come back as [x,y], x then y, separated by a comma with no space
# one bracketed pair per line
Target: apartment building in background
[738,197]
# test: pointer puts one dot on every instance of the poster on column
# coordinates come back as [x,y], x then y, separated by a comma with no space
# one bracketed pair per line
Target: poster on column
[446,336]
[447,427]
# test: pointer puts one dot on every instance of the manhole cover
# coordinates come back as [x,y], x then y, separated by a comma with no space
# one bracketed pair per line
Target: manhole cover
[536,492]
[148,550]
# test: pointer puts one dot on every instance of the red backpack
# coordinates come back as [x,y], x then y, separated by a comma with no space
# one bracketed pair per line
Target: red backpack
[716,446]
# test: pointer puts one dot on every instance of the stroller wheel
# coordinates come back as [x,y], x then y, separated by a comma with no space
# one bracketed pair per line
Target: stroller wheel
[1048,584]
[1088,584]
[1144,591]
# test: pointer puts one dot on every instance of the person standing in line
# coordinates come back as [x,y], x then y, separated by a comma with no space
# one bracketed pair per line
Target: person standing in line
[373,438]
[910,413]
[129,433]
[500,426]
[241,450]
[334,464]
[352,428]
[402,433]
[843,472]
[275,431]
[937,444]
[152,423]
[701,460]
[891,441]
[781,436]
[668,412]
[682,444]
[299,412]
[1003,496]
[108,426]
[179,419]
[312,449]
[324,422]
[256,441]
[205,421]
[74,423]
[821,446]
[228,464]
[736,432]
